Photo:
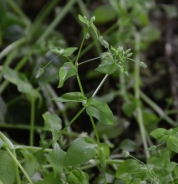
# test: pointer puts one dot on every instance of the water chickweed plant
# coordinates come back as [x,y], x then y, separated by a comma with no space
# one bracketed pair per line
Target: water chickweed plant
[57,163]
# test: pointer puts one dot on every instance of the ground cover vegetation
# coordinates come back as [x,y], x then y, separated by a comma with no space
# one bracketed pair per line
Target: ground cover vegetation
[88,92]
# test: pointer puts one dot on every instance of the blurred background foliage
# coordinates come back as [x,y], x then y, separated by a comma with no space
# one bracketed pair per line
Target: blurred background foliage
[30,29]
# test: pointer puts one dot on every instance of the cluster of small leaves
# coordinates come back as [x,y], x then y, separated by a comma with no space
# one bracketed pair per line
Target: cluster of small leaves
[80,151]
[159,168]
[170,137]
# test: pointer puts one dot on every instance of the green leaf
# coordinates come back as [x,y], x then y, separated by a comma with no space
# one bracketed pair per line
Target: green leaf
[170,10]
[64,52]
[122,67]
[152,148]
[56,158]
[110,131]
[127,167]
[66,71]
[39,72]
[159,133]
[83,19]
[169,167]
[149,116]
[175,132]
[149,33]
[129,107]
[80,151]
[20,81]
[100,111]
[160,159]
[172,143]
[1,143]
[71,97]
[52,123]
[104,14]
[77,176]
[143,65]
[29,163]
[129,55]
[128,145]
[7,169]
[107,97]
[107,66]
[176,171]
[52,178]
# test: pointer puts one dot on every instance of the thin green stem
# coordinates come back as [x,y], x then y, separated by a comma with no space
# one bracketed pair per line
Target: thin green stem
[56,21]
[16,169]
[131,59]
[12,46]
[95,130]
[137,96]
[123,86]
[81,45]
[73,119]
[157,109]
[88,61]
[31,148]
[7,142]
[99,86]
[16,8]
[137,160]
[17,162]
[43,14]
[32,121]
[80,84]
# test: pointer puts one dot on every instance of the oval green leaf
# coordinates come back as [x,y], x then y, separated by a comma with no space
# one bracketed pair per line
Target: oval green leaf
[39,72]
[71,97]
[106,67]
[64,52]
[104,14]
[172,143]
[101,111]
[80,151]
[66,71]
[56,158]
[158,133]
[52,123]
[7,170]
